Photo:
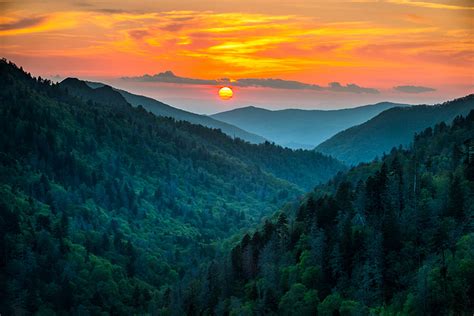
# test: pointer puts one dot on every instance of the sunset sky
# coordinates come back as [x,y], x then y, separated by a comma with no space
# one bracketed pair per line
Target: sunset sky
[275,54]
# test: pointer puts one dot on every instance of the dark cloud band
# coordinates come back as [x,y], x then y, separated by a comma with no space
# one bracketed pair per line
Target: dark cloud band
[413,89]
[20,24]
[170,77]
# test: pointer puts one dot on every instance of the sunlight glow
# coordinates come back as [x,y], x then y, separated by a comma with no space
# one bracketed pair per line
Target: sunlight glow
[225,93]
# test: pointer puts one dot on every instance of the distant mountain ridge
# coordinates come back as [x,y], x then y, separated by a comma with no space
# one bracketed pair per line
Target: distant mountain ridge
[314,167]
[160,108]
[391,128]
[297,128]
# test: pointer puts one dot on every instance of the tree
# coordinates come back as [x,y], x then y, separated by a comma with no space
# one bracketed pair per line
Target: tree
[330,305]
[456,198]
[298,301]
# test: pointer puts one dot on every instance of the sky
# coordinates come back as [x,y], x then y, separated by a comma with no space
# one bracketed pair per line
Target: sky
[274,54]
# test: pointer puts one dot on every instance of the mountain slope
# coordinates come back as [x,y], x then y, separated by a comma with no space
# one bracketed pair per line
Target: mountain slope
[162,109]
[390,129]
[300,128]
[103,94]
[313,168]
[103,204]
[392,237]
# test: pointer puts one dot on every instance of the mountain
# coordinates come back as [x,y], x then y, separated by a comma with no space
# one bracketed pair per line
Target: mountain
[103,205]
[103,94]
[300,128]
[162,109]
[391,237]
[391,128]
[314,167]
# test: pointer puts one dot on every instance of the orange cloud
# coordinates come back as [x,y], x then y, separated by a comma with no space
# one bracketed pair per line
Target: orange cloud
[18,25]
[207,44]
[432,5]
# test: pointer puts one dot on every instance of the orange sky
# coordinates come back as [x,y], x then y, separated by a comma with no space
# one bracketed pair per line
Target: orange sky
[373,44]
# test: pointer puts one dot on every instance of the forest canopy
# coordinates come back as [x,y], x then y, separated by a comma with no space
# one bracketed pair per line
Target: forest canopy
[106,208]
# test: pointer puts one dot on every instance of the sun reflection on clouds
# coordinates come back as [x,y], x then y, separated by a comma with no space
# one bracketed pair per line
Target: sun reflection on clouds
[210,44]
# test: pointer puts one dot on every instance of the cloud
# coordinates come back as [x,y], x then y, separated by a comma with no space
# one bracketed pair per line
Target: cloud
[432,5]
[353,88]
[245,45]
[16,24]
[22,23]
[276,84]
[138,34]
[173,27]
[111,10]
[170,77]
[413,89]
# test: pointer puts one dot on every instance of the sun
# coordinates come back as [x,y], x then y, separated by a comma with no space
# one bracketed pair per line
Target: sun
[225,93]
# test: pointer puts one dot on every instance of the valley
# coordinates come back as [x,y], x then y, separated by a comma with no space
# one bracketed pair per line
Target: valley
[109,205]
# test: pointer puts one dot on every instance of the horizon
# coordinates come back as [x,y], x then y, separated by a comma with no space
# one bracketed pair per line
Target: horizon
[273,109]
[263,106]
[324,55]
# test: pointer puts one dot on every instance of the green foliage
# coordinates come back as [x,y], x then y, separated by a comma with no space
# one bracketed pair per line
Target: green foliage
[330,305]
[103,206]
[108,209]
[304,168]
[393,237]
[298,301]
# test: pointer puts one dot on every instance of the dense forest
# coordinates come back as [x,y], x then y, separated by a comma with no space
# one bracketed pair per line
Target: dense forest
[107,209]
[304,168]
[103,205]
[392,237]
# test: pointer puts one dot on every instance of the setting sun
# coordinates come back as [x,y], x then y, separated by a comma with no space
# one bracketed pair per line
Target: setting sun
[225,93]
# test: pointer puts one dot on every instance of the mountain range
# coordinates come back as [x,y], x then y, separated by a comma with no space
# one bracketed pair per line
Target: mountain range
[314,167]
[351,135]
[373,241]
[109,209]
[296,128]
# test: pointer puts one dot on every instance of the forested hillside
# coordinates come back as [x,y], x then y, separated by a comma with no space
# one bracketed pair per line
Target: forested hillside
[391,128]
[392,237]
[304,168]
[103,205]
[162,109]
